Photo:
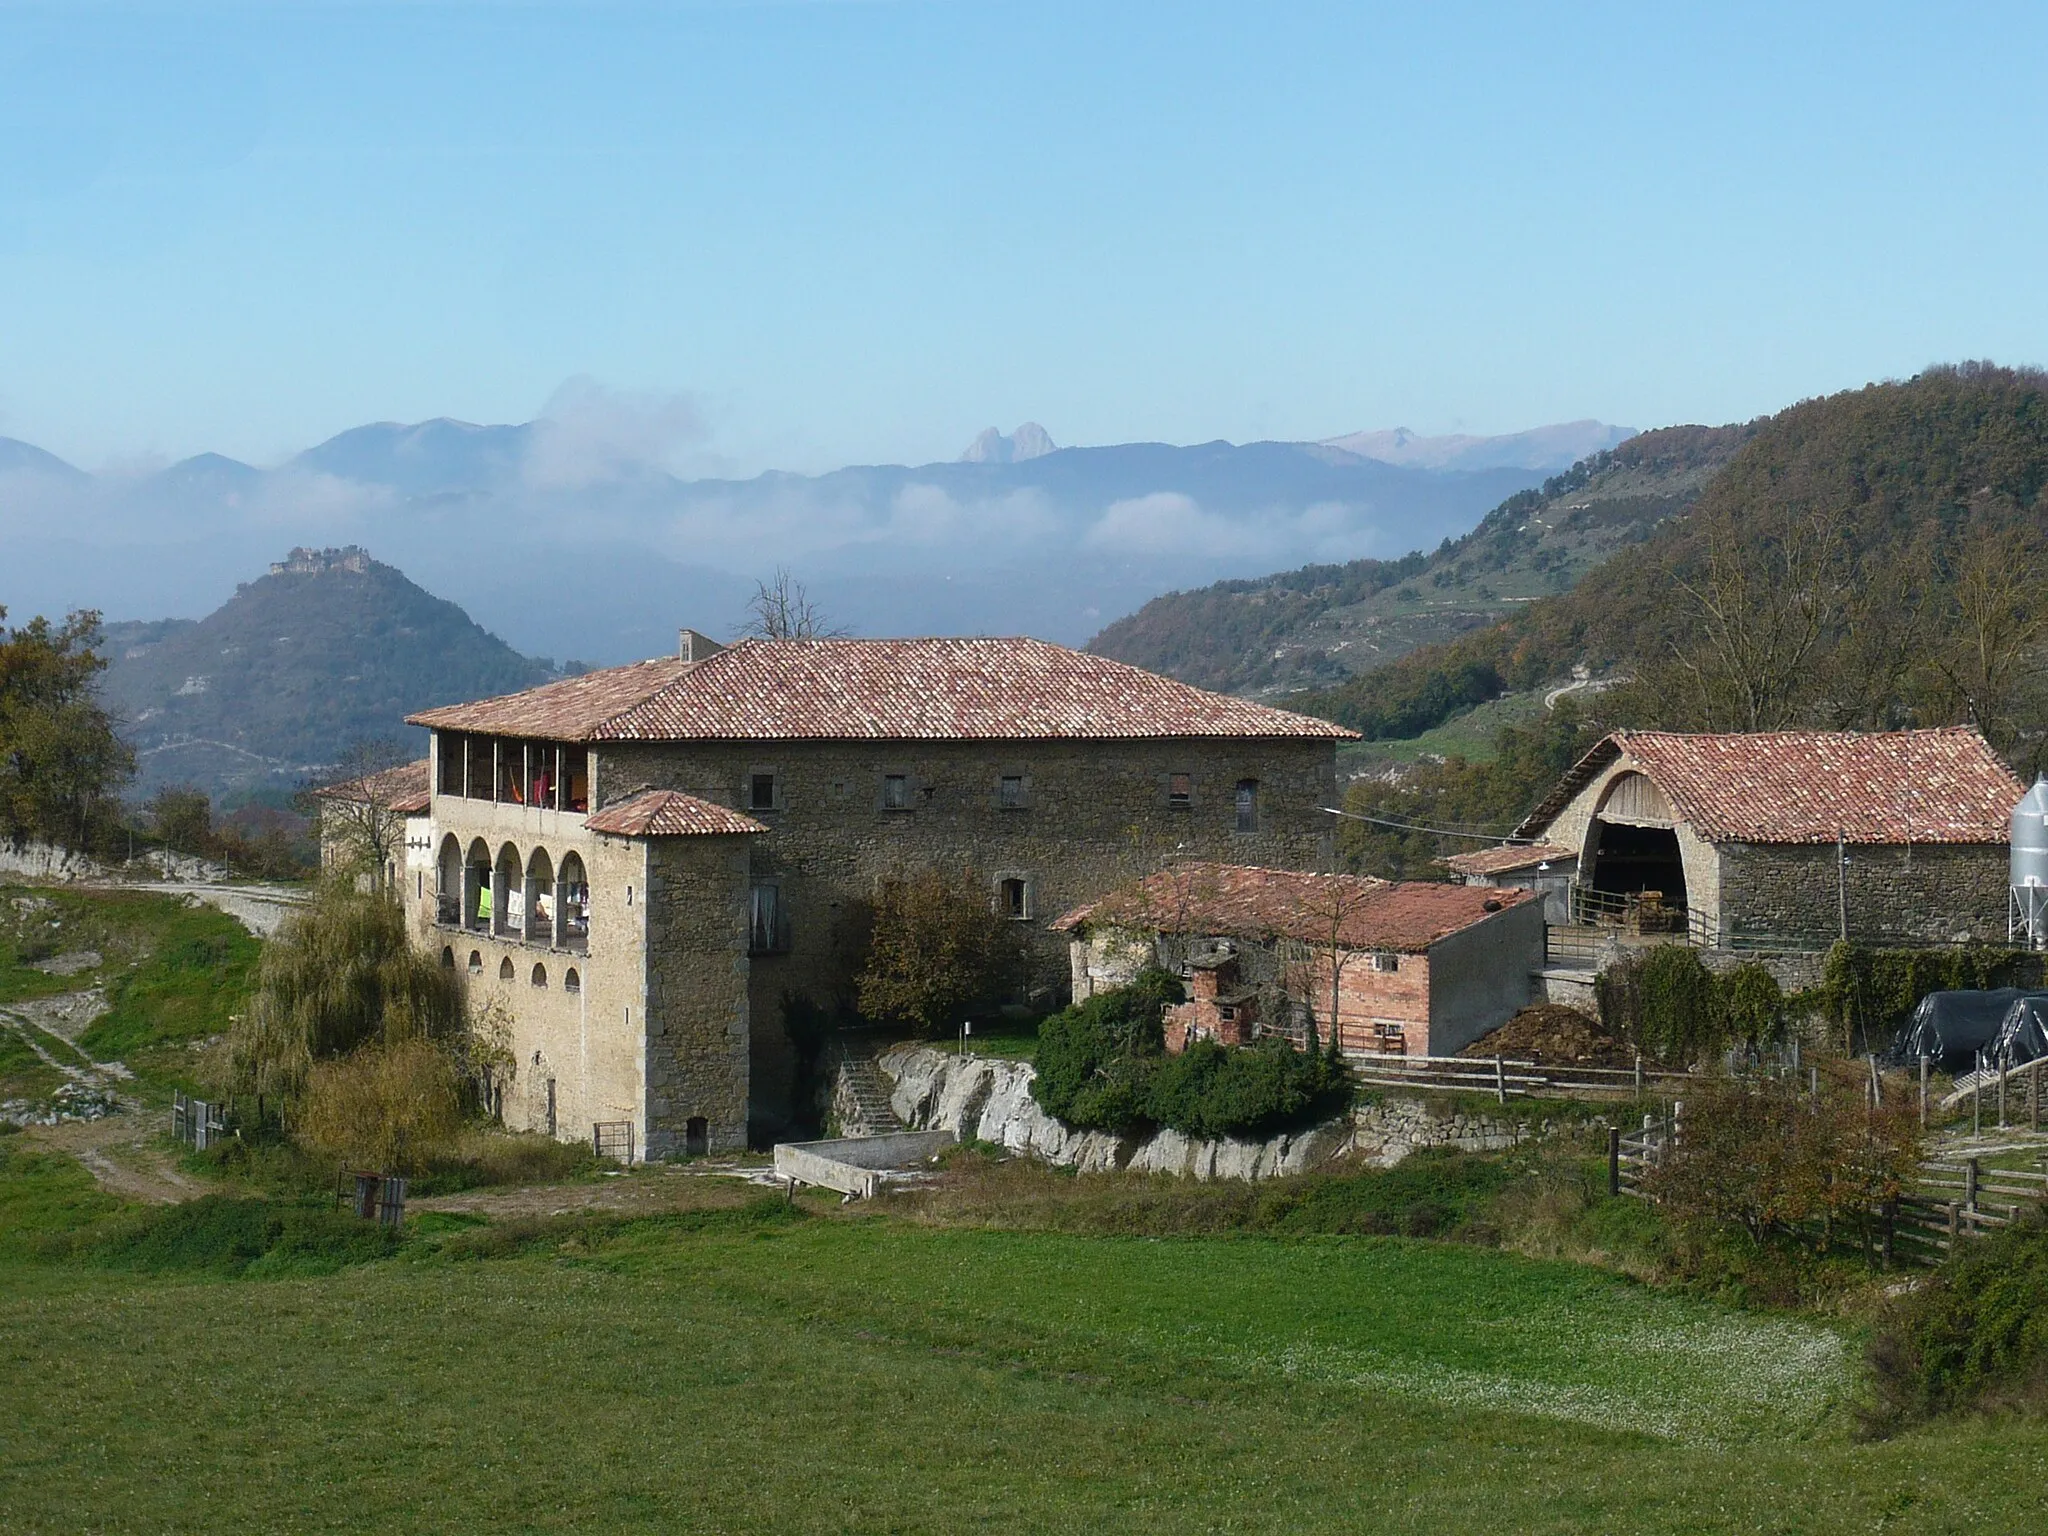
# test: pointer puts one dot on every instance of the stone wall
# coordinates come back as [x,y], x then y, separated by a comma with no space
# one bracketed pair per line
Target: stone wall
[1927,894]
[990,1100]
[1094,815]
[697,974]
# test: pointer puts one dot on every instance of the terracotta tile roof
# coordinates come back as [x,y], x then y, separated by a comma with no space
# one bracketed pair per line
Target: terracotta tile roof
[1933,786]
[406,789]
[1244,901]
[1502,861]
[670,813]
[876,690]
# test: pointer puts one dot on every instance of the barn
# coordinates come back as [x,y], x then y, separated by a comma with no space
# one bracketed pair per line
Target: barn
[1896,837]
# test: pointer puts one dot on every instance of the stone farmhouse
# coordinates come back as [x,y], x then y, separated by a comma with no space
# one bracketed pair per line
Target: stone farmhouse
[1896,837]
[656,866]
[389,810]
[1410,967]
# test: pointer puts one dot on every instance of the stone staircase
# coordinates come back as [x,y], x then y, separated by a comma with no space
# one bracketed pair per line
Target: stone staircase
[860,1093]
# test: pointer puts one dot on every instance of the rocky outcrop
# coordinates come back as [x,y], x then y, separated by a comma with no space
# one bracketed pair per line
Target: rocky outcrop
[990,1100]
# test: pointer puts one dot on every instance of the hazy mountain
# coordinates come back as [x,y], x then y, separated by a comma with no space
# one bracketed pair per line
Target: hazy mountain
[1545,448]
[291,669]
[25,459]
[566,537]
[1030,441]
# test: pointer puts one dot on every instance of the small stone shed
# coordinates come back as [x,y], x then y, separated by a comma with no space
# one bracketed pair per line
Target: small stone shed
[1412,967]
[1891,837]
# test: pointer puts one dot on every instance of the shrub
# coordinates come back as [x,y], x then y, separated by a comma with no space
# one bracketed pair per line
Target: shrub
[392,1108]
[1665,1002]
[220,1235]
[1102,1065]
[1974,1336]
[939,953]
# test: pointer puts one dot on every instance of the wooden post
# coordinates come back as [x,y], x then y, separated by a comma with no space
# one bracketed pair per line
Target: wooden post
[1954,1223]
[2001,1100]
[1876,1084]
[1639,1074]
[1891,1224]
[1614,1160]
[2034,1095]
[1923,1090]
[1500,1079]
[1970,1175]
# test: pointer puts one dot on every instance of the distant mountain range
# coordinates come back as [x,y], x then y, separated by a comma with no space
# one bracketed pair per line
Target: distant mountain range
[564,543]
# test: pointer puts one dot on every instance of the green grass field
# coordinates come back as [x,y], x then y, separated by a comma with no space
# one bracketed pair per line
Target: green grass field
[761,1369]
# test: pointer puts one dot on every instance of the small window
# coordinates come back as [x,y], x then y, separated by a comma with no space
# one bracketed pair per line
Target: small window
[540,976]
[1010,792]
[505,969]
[476,963]
[896,792]
[761,792]
[1180,791]
[447,959]
[571,982]
[1226,1013]
[1385,960]
[765,931]
[1013,897]
[696,1136]
[1247,805]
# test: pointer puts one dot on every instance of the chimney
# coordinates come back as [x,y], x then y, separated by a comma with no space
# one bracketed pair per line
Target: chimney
[692,646]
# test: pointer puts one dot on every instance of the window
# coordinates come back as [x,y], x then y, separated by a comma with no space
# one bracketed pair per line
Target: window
[761,792]
[505,969]
[1386,960]
[896,792]
[1247,805]
[1013,897]
[476,963]
[765,930]
[540,976]
[1010,792]
[571,982]
[448,959]
[1180,791]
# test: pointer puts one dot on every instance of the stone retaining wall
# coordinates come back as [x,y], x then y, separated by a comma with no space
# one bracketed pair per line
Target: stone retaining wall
[990,1100]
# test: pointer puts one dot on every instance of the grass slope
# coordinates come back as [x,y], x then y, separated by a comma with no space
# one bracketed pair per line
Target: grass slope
[766,1370]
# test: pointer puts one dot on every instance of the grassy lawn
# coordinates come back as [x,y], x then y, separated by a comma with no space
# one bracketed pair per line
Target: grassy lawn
[819,1370]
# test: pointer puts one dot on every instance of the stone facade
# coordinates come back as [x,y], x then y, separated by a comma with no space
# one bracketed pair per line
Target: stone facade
[1088,816]
[1937,893]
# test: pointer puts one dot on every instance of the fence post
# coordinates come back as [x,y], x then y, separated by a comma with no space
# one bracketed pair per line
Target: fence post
[1954,1224]
[1891,1224]
[1500,1079]
[2001,1099]
[2034,1095]
[1977,1098]
[1876,1084]
[1970,1175]
[1639,1074]
[1614,1160]
[1923,1090]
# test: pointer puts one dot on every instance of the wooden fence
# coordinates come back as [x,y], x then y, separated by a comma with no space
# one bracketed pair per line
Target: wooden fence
[197,1122]
[1949,1200]
[1504,1078]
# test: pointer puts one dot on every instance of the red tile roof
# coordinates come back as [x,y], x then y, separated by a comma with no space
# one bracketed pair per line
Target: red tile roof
[1502,861]
[1244,901]
[1933,786]
[875,690]
[405,790]
[670,813]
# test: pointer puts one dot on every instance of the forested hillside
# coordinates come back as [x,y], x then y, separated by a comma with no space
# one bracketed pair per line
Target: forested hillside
[1323,624]
[1869,560]
[297,665]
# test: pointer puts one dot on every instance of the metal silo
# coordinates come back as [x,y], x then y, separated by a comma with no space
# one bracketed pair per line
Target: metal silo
[2028,917]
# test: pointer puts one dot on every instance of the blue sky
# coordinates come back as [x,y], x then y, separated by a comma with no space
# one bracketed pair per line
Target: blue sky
[798,235]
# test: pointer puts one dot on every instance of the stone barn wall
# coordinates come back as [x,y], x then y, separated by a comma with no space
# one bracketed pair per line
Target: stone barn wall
[1930,893]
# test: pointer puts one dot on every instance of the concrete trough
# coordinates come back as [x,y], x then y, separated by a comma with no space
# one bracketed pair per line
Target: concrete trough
[855,1165]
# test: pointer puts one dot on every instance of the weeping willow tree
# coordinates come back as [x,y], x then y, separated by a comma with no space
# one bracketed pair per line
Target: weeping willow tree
[340,978]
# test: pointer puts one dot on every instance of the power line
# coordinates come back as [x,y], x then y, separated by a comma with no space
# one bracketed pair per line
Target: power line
[1411,826]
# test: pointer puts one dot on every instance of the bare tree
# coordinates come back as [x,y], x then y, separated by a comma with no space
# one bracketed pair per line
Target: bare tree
[360,826]
[1988,665]
[781,609]
[1329,909]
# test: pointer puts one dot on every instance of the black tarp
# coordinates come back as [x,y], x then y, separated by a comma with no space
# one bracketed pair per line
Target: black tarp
[2023,1037]
[1952,1027]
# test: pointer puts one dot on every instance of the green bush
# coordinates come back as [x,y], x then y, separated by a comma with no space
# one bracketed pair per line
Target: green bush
[1102,1065]
[1668,1005]
[1974,1336]
[225,1236]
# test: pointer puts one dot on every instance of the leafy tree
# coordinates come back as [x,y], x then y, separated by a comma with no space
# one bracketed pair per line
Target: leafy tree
[939,952]
[60,761]
[340,976]
[181,816]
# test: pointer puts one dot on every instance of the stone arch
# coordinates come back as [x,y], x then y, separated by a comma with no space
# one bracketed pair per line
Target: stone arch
[508,892]
[448,957]
[448,890]
[476,962]
[1632,844]
[540,903]
[476,885]
[571,982]
[572,904]
[505,971]
[539,978]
